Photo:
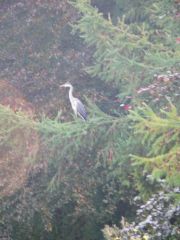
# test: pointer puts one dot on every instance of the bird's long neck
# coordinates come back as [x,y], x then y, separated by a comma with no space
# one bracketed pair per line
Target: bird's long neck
[70,93]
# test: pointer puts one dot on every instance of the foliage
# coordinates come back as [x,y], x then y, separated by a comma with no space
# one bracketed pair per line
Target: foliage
[77,165]
[78,176]
[162,135]
[164,86]
[127,53]
[18,145]
[157,219]
[40,54]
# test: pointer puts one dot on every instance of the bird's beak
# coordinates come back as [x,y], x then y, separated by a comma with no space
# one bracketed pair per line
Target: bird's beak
[61,86]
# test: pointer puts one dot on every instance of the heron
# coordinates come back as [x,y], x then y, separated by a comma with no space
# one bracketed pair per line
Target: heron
[76,104]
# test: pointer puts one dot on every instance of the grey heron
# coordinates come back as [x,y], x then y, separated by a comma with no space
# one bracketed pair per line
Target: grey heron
[76,104]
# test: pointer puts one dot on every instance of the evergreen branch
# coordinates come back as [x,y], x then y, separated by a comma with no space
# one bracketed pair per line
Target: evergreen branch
[162,134]
[121,49]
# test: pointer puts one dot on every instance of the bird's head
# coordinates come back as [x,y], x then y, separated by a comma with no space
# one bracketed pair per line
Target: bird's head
[67,84]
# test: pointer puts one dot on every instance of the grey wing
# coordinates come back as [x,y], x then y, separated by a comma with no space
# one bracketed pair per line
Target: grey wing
[81,111]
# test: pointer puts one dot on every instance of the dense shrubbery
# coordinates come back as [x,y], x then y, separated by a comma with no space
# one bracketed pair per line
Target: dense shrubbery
[85,188]
[157,219]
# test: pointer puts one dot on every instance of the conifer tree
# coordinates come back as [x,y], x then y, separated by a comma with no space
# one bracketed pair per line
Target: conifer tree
[132,50]
[162,135]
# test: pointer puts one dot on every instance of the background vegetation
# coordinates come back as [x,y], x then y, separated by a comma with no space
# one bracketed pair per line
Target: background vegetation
[115,176]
